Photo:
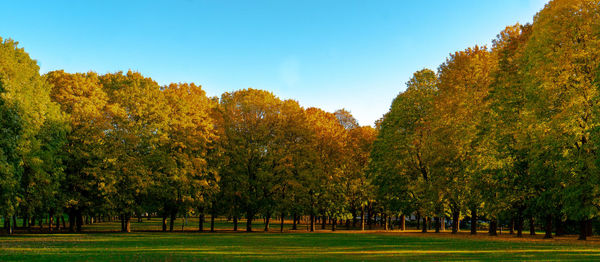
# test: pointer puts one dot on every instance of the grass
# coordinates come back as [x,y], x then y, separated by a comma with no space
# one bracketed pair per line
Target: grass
[320,246]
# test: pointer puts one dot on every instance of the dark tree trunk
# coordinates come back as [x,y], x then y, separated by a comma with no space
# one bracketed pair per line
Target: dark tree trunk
[127,223]
[249,217]
[212,220]
[418,220]
[235,222]
[455,222]
[333,224]
[51,221]
[58,223]
[79,221]
[267,221]
[532,226]
[8,225]
[295,223]
[583,230]
[560,229]
[282,221]
[25,220]
[548,227]
[437,224]
[519,223]
[72,221]
[201,219]
[323,221]
[172,221]
[473,220]
[443,223]
[493,227]
[424,230]
[369,215]
[312,222]
[62,218]
[588,228]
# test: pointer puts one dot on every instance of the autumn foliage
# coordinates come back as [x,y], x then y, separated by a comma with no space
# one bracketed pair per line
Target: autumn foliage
[501,135]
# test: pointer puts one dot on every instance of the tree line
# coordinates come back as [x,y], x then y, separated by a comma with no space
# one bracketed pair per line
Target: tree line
[503,134]
[120,145]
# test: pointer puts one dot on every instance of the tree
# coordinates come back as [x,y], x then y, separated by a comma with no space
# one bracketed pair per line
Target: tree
[138,133]
[29,119]
[249,123]
[86,186]
[464,81]
[399,158]
[561,80]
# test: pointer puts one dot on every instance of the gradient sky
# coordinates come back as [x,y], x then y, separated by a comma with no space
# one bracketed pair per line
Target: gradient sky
[330,54]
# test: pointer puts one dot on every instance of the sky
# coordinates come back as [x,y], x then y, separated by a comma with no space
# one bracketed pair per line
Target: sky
[331,54]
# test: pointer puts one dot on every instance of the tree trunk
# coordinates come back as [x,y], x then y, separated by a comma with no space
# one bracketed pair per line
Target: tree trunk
[333,224]
[588,228]
[282,221]
[51,222]
[164,223]
[493,227]
[443,223]
[362,218]
[58,223]
[62,218]
[312,222]
[582,230]
[424,229]
[512,226]
[201,219]
[212,220]
[455,222]
[418,220]
[79,221]
[127,223]
[519,223]
[473,220]
[25,220]
[235,222]
[402,222]
[369,215]
[72,221]
[560,229]
[295,223]
[172,221]
[437,224]
[531,226]
[548,227]
[8,225]
[385,222]
[267,221]
[323,221]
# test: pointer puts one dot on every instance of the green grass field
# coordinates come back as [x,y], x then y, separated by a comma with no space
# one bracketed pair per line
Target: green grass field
[323,246]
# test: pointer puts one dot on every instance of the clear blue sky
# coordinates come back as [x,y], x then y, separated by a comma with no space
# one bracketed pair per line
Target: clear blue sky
[330,54]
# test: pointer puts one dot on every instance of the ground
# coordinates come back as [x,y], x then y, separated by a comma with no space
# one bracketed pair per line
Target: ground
[297,245]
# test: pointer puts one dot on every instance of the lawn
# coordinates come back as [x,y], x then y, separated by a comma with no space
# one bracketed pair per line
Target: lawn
[322,246]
